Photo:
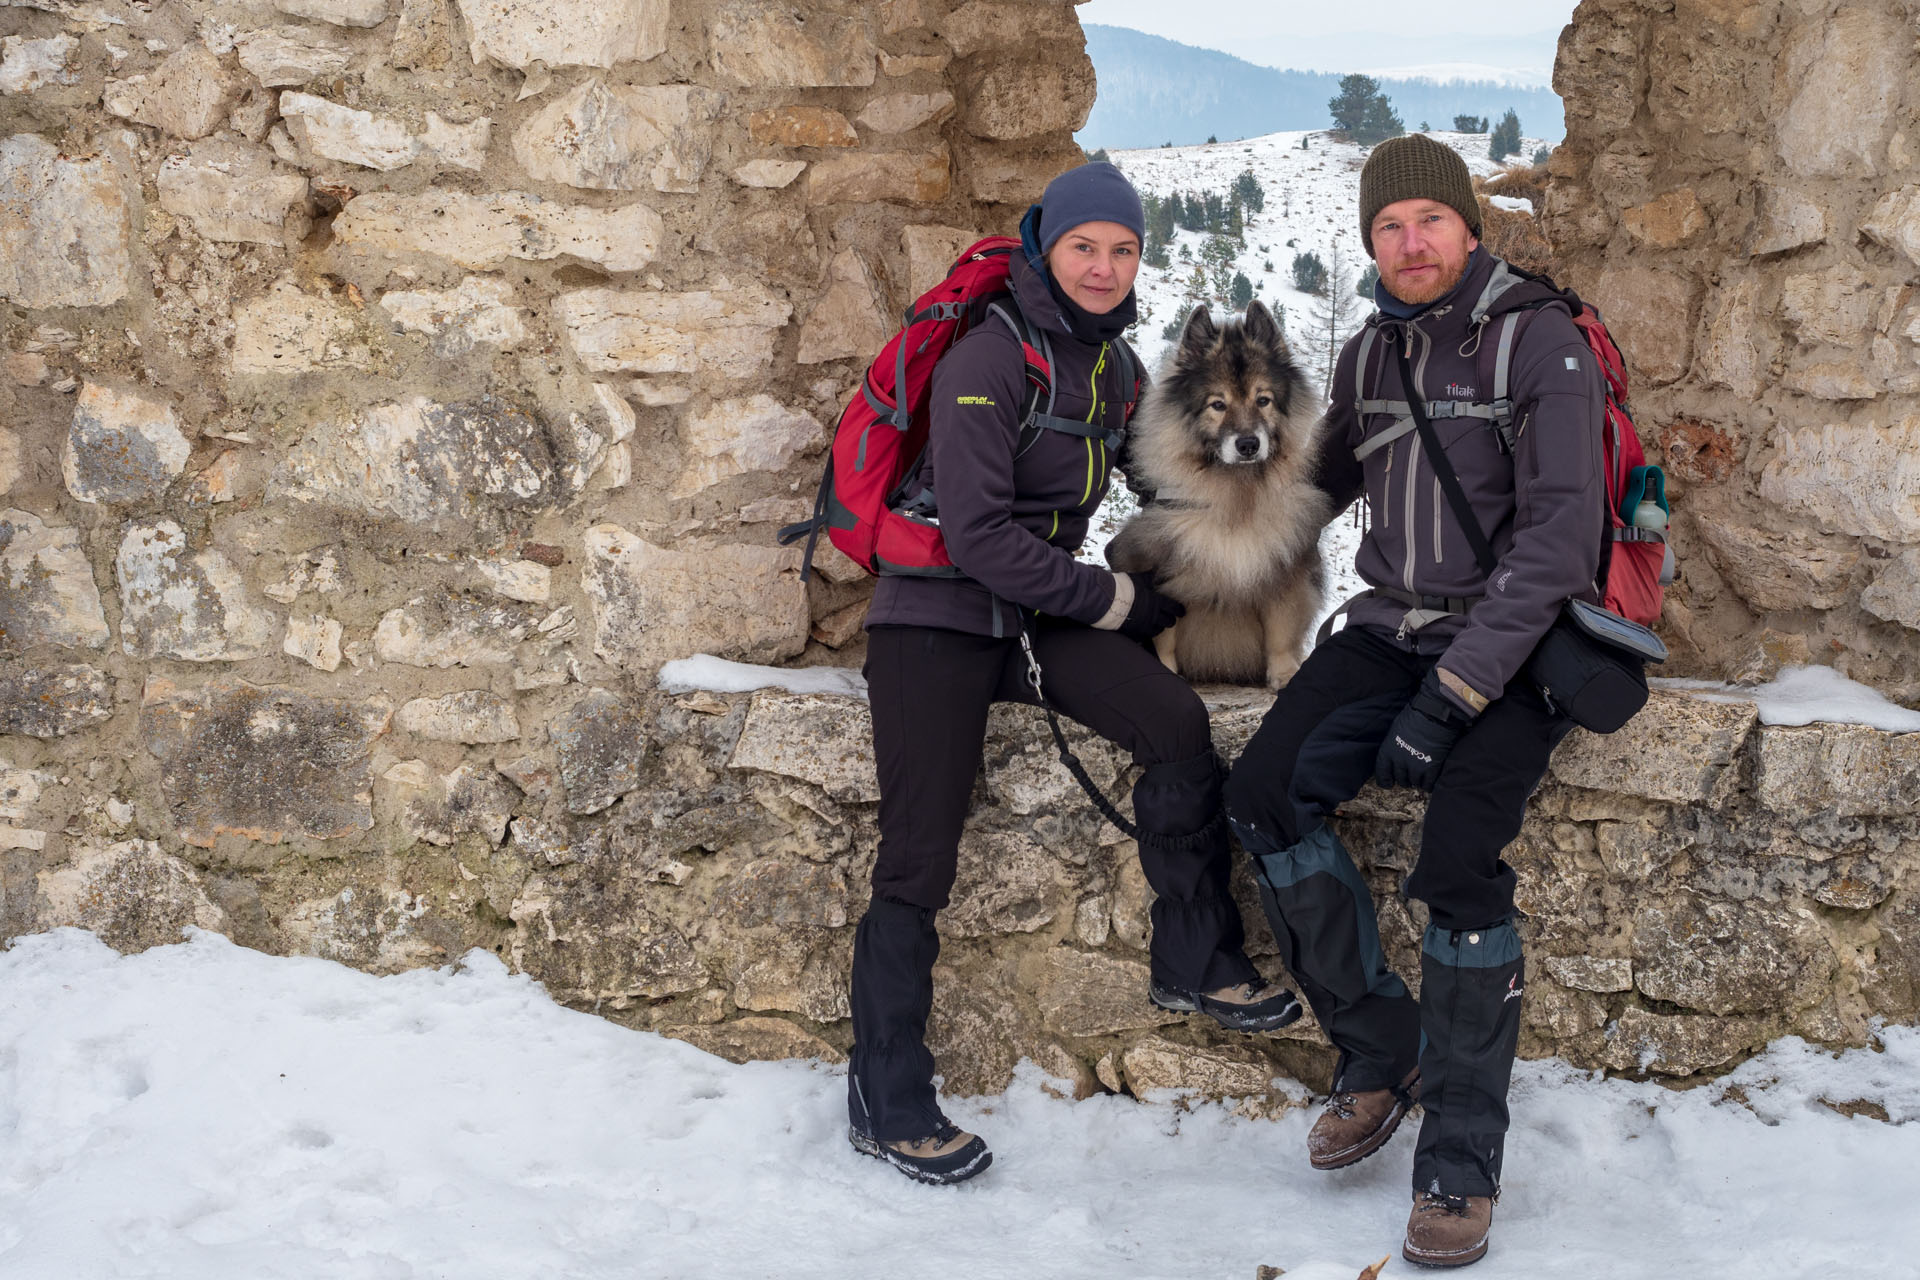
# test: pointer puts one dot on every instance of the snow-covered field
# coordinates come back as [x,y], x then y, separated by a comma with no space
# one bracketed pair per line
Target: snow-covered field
[205,1111]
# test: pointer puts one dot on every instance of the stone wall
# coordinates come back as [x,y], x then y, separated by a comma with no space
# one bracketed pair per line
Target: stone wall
[1740,192]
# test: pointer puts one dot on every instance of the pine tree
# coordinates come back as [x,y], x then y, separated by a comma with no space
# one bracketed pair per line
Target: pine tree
[1171,332]
[1100,157]
[1248,192]
[1241,295]
[1543,155]
[1236,225]
[1362,112]
[1469,124]
[1216,211]
[1309,272]
[1332,318]
[1368,278]
[1505,138]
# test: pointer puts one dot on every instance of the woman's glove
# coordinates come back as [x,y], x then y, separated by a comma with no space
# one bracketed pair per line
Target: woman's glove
[1417,744]
[1152,611]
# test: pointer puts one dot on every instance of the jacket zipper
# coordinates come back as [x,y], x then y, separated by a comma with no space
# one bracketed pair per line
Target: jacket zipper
[1436,520]
[1413,453]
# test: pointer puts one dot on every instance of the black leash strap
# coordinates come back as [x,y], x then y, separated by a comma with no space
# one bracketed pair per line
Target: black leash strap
[1443,469]
[1067,758]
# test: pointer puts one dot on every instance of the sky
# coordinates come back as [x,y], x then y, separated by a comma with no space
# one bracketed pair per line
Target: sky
[1516,36]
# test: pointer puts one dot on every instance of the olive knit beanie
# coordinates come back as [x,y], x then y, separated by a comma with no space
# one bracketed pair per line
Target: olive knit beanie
[1415,167]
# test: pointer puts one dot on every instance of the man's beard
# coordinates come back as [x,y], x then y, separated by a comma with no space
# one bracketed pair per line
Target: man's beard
[1439,286]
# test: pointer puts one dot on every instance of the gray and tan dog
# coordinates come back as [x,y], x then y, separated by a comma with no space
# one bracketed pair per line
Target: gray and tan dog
[1224,440]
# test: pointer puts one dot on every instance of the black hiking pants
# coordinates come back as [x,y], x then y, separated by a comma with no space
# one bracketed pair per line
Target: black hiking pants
[930,690]
[1314,750]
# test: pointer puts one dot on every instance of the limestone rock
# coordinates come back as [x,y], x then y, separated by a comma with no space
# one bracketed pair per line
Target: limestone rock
[288,330]
[1666,223]
[734,437]
[1652,312]
[121,447]
[233,192]
[480,312]
[795,970]
[979,25]
[1737,340]
[757,43]
[133,894]
[931,251]
[1895,222]
[600,740]
[449,630]
[1775,569]
[846,321]
[462,145]
[425,37]
[785,893]
[799,126]
[1834,306]
[1726,958]
[188,95]
[1858,479]
[1834,380]
[905,112]
[756,1040]
[841,627]
[11,463]
[64,241]
[346,134]
[427,463]
[283,57]
[912,64]
[52,701]
[47,595]
[1023,99]
[566,33]
[1090,993]
[1591,973]
[1678,749]
[482,232]
[724,330]
[521,580]
[1006,884]
[824,740]
[189,606]
[1845,76]
[1847,769]
[471,716]
[314,639]
[1155,1066]
[341,13]
[1895,593]
[1001,176]
[1678,1044]
[622,137]
[768,173]
[587,933]
[26,65]
[468,801]
[1788,221]
[259,762]
[906,177]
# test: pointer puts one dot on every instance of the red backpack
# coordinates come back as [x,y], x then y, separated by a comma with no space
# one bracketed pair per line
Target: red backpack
[870,503]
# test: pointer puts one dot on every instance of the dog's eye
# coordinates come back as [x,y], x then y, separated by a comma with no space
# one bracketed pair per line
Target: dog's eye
[1218,406]
[1264,401]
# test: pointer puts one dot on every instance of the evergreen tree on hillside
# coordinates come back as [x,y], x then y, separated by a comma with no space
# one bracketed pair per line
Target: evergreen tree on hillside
[1309,273]
[1100,157]
[1242,292]
[1504,141]
[1368,278]
[1469,124]
[1216,211]
[1362,112]
[1248,193]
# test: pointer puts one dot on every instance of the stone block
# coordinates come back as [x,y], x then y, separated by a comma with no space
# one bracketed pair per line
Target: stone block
[734,437]
[1154,1067]
[467,802]
[427,463]
[799,126]
[566,33]
[131,894]
[481,232]
[451,630]
[1835,306]
[1834,380]
[587,933]
[341,13]
[462,145]
[233,192]
[905,177]
[904,112]
[894,65]
[314,639]
[1007,883]
[1679,750]
[826,741]
[287,330]
[754,42]
[846,322]
[1788,220]
[1652,312]
[1024,99]
[1600,73]
[1730,957]
[1894,222]
[1861,479]
[757,1039]
[599,740]
[479,312]
[1846,73]
[1774,569]
[1847,769]
[346,134]
[470,716]
[768,173]
[291,56]
[1678,1044]
[121,447]
[787,894]
[47,594]
[191,606]
[931,251]
[522,580]
[622,137]
[64,243]
[980,25]
[1737,340]
[1894,594]
[189,95]
[52,701]
[27,64]
[263,763]
[725,330]
[793,970]
[1591,973]
[1669,222]
[1090,993]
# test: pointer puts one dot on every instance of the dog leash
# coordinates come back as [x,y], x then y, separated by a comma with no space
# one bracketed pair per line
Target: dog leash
[1067,758]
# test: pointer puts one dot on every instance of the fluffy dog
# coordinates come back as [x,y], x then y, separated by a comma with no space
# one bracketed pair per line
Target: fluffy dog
[1224,441]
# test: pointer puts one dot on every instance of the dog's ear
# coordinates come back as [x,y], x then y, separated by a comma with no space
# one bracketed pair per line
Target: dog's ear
[1200,332]
[1262,327]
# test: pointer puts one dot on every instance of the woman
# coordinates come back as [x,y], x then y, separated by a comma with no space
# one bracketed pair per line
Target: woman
[1011,509]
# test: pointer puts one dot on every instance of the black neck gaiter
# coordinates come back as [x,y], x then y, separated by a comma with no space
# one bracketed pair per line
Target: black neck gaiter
[1089,327]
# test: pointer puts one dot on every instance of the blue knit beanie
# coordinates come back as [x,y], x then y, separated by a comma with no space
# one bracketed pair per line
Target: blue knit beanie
[1096,192]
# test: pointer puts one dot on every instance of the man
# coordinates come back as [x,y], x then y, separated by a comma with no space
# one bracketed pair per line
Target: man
[1424,687]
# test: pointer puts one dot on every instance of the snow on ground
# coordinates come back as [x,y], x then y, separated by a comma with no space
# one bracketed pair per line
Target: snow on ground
[205,1111]
[703,671]
[1808,695]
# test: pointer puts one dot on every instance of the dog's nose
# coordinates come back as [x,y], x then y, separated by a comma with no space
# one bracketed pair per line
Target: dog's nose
[1247,446]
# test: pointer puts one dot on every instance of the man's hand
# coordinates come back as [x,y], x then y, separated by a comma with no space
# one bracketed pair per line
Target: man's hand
[1152,611]
[1417,744]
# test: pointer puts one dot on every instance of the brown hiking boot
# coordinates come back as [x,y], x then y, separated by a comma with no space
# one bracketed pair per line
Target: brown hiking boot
[1447,1231]
[1355,1125]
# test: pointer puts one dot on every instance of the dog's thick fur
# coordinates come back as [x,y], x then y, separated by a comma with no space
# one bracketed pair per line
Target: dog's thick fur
[1224,440]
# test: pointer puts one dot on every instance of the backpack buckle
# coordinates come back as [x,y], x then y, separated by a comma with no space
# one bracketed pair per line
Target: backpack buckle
[1503,424]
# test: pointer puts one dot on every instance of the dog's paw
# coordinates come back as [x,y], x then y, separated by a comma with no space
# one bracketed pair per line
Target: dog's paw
[1280,670]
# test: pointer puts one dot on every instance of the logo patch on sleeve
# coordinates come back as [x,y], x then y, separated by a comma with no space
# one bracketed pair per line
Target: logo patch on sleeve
[986,400]
[1573,363]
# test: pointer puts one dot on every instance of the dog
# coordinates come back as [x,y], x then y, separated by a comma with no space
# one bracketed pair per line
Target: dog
[1224,443]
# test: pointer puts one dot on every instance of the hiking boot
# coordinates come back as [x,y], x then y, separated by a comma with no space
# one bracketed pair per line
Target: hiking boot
[943,1157]
[1355,1125]
[1447,1231]
[1251,1006]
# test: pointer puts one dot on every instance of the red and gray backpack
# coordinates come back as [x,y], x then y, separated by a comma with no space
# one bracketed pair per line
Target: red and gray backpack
[871,503]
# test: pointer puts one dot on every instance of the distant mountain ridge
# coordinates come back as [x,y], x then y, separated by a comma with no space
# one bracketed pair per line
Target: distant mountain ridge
[1154,90]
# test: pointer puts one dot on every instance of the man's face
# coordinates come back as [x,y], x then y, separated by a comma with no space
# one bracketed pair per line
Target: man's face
[1422,248]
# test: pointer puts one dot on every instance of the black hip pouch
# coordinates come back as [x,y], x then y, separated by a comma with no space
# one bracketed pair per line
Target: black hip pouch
[1591,666]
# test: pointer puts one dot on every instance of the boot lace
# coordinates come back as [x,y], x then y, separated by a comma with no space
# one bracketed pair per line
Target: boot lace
[1340,1106]
[940,1137]
[1437,1202]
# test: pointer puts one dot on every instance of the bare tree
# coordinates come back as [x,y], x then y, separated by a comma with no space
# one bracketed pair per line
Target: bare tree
[1332,317]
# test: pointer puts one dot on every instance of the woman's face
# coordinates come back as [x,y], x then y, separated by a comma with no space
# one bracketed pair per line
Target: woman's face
[1095,263]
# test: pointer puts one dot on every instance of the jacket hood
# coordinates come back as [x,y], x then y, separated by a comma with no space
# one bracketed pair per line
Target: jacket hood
[1039,300]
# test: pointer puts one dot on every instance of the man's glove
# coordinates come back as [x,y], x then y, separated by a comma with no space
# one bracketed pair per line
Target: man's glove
[1152,611]
[1417,744]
